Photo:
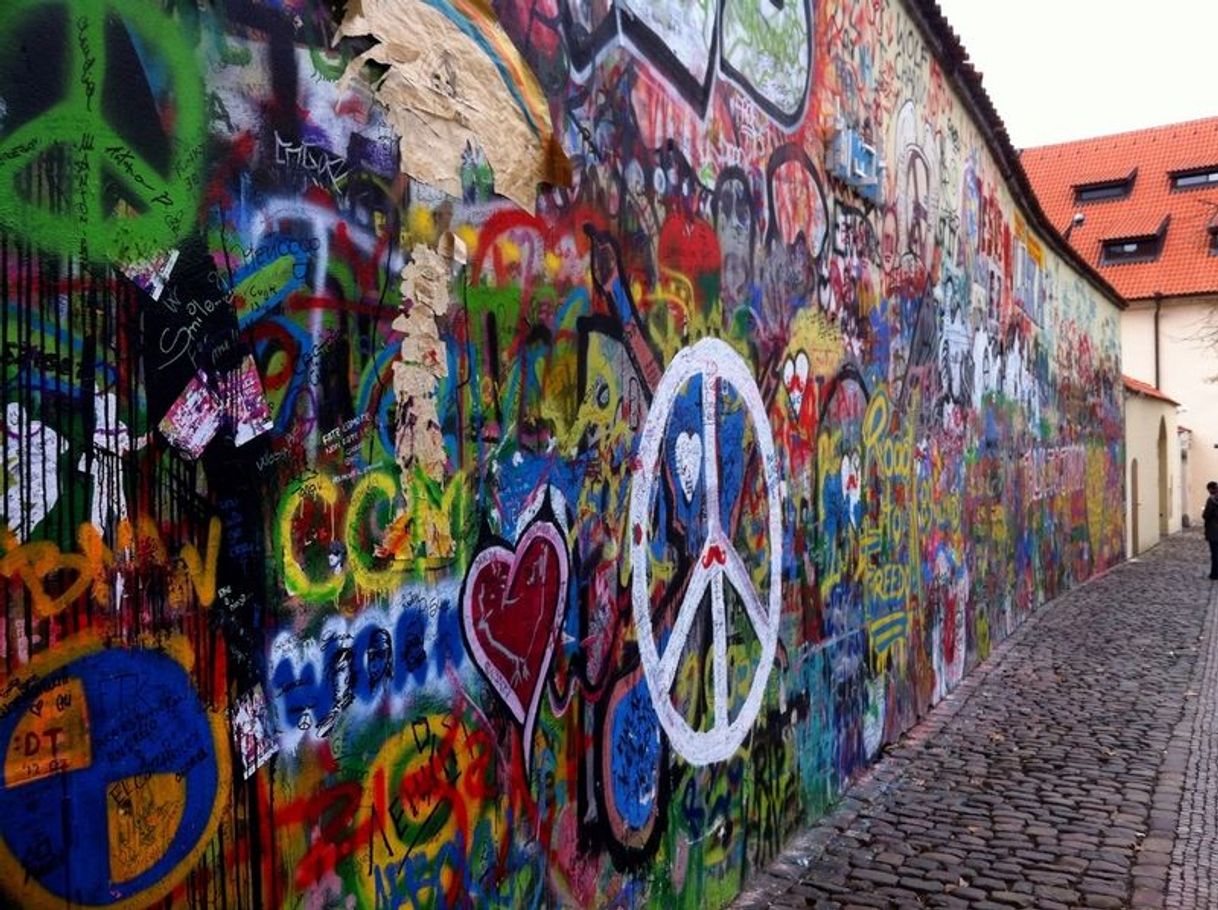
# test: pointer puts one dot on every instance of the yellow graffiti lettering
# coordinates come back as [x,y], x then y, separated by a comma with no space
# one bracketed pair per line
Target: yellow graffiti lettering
[295,578]
[202,569]
[89,569]
[890,533]
[377,485]
[33,562]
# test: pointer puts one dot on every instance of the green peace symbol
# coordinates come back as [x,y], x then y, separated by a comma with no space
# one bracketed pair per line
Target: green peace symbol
[80,223]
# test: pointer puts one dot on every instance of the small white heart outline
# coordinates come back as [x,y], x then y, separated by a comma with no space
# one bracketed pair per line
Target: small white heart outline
[687,453]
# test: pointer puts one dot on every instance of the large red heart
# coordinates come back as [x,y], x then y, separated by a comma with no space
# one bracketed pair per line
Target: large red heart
[512,612]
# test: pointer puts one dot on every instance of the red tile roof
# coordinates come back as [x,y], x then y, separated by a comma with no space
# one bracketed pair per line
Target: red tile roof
[1185,265]
[1138,387]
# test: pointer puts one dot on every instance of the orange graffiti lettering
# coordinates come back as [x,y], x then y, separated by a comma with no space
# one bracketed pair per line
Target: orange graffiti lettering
[90,568]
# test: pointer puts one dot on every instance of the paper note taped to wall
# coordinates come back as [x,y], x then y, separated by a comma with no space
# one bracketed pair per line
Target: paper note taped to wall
[193,420]
[245,403]
[253,731]
[425,280]
[198,414]
[450,84]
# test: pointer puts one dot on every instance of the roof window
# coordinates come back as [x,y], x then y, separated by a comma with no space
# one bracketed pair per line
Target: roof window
[1144,248]
[1192,179]
[1132,249]
[1102,190]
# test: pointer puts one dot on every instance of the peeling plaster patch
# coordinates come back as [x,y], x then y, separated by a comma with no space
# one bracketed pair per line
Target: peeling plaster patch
[447,88]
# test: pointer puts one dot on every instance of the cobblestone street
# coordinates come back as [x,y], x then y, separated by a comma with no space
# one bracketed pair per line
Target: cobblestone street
[1076,768]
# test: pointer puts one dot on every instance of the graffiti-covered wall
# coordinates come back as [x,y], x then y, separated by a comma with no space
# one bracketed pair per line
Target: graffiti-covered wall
[514,454]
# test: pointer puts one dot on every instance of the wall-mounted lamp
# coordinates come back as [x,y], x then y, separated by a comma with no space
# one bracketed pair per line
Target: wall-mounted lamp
[1076,221]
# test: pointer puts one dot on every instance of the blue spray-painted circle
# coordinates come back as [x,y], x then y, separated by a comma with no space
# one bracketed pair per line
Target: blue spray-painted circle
[635,744]
[144,717]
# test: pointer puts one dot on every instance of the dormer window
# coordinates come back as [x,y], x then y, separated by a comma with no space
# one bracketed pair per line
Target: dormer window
[1194,178]
[1103,190]
[1144,248]
[1214,239]
[1131,249]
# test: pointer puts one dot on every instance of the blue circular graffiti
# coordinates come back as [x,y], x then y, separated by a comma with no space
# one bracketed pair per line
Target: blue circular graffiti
[141,718]
[635,746]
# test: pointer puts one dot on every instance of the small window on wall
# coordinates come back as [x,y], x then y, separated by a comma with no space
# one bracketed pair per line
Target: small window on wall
[1198,177]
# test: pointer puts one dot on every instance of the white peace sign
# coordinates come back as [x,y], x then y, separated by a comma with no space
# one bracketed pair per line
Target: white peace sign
[715,362]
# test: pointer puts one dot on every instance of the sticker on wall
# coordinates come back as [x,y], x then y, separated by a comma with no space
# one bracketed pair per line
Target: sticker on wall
[151,274]
[718,566]
[245,403]
[253,731]
[194,419]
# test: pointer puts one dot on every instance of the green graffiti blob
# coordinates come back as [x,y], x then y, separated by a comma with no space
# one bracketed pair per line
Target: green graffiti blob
[79,221]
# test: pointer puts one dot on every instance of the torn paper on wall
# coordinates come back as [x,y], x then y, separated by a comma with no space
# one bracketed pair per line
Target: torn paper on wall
[252,731]
[418,443]
[425,279]
[152,274]
[245,404]
[30,482]
[456,81]
[453,248]
[422,362]
[428,353]
[197,416]
[194,419]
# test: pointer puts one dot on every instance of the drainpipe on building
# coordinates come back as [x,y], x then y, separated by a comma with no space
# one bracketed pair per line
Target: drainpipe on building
[1158,305]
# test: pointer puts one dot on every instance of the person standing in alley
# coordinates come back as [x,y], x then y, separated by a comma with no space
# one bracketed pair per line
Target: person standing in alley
[1210,517]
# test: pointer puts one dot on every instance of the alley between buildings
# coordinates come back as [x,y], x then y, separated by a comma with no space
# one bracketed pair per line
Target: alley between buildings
[1075,769]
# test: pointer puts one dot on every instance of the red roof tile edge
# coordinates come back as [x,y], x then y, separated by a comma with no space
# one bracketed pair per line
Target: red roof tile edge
[1138,387]
[1133,131]
[1127,177]
[945,44]
[1164,224]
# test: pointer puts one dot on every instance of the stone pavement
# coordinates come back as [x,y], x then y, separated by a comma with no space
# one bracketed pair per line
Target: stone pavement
[1078,767]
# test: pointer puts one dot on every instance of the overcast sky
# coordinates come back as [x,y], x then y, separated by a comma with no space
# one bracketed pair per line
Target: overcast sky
[1068,69]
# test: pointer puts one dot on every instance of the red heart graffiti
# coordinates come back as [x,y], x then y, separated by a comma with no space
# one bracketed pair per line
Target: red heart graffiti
[512,612]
